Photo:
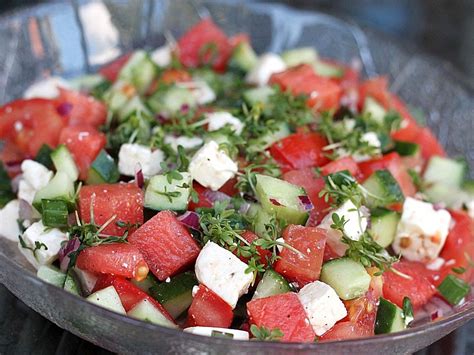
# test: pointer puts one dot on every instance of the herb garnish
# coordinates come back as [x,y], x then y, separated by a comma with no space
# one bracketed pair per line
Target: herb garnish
[263,333]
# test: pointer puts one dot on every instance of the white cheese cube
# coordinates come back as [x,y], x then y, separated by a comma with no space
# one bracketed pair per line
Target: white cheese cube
[322,305]
[470,208]
[51,238]
[185,142]
[212,167]
[201,91]
[9,215]
[36,174]
[422,231]
[372,140]
[26,191]
[162,55]
[217,120]
[224,332]
[223,273]
[133,155]
[267,65]
[86,279]
[46,88]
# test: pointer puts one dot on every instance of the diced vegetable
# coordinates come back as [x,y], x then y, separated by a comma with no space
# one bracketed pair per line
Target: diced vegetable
[107,298]
[383,225]
[147,311]
[54,213]
[329,70]
[51,275]
[406,149]
[103,170]
[139,71]
[258,95]
[272,283]
[6,193]
[44,156]
[453,289]
[297,56]
[389,318]
[163,194]
[171,100]
[376,111]
[243,57]
[70,285]
[209,310]
[382,189]
[60,187]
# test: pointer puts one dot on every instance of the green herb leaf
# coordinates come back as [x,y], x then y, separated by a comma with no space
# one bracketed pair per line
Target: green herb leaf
[265,334]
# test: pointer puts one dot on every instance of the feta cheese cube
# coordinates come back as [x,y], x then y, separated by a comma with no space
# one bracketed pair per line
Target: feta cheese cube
[47,88]
[212,167]
[162,55]
[267,65]
[214,331]
[185,142]
[422,231]
[86,279]
[217,120]
[223,273]
[201,91]
[35,174]
[9,215]
[50,237]
[322,305]
[372,140]
[133,155]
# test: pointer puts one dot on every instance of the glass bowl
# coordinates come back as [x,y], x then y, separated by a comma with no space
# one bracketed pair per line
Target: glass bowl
[69,38]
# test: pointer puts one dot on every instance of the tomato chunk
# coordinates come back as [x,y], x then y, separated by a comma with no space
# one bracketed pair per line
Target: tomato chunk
[125,201]
[284,312]
[166,244]
[209,310]
[346,163]
[129,294]
[120,259]
[310,241]
[85,143]
[111,71]
[84,110]
[203,198]
[300,150]
[429,144]
[28,124]
[419,287]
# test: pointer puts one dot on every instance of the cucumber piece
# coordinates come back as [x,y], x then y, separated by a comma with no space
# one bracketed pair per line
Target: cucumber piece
[407,149]
[135,104]
[468,186]
[454,289]
[51,275]
[70,285]
[146,311]
[377,112]
[328,70]
[162,194]
[176,295]
[147,283]
[383,226]
[107,298]
[243,58]
[261,219]
[54,213]
[253,210]
[272,283]
[263,142]
[87,82]
[449,195]
[44,156]
[258,95]
[63,161]
[217,136]
[139,71]
[282,199]
[170,101]
[103,170]
[117,96]
[389,318]
[297,56]
[60,187]
[446,171]
[347,277]
[383,185]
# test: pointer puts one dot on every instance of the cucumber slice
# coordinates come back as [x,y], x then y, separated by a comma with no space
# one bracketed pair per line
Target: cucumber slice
[449,172]
[117,96]
[383,225]
[243,58]
[107,298]
[449,195]
[282,199]
[44,156]
[63,161]
[328,70]
[133,105]
[377,112]
[70,285]
[389,318]
[272,283]
[407,149]
[161,194]
[383,185]
[60,187]
[297,56]
[146,283]
[261,219]
[139,71]
[170,101]
[54,213]
[176,295]
[146,311]
[51,275]
[103,170]
[257,95]
[347,277]
[454,289]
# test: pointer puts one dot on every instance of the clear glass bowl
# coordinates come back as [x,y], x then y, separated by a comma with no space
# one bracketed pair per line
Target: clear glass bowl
[69,38]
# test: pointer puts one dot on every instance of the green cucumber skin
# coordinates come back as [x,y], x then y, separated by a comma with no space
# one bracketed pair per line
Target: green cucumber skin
[63,161]
[384,224]
[445,171]
[389,318]
[103,170]
[407,149]
[258,95]
[243,58]
[297,56]
[382,184]
[157,184]
[272,283]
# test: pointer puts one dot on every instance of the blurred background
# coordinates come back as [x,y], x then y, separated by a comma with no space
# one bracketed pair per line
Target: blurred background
[444,28]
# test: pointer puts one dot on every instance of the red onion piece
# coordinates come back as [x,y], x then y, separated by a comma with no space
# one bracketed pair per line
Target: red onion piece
[306,202]
[216,196]
[190,219]
[15,183]
[275,202]
[64,109]
[161,118]
[244,208]
[139,178]
[184,108]
[65,251]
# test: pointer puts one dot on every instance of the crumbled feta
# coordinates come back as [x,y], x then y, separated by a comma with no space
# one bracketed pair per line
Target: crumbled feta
[223,273]
[47,88]
[133,155]
[470,208]
[372,140]
[267,65]
[49,237]
[185,142]
[162,55]
[217,120]
[212,167]
[201,91]
[435,264]
[322,305]
[213,331]
[9,215]
[35,176]
[422,231]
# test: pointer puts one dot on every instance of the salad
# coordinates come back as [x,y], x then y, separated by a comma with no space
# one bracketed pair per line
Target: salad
[200,186]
